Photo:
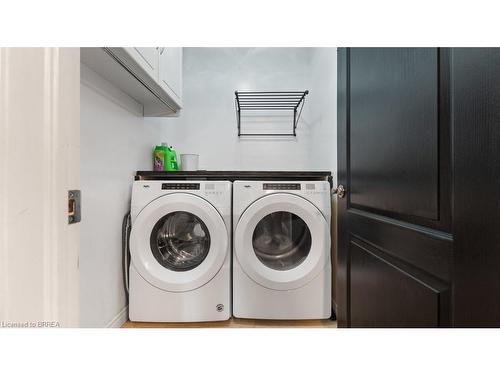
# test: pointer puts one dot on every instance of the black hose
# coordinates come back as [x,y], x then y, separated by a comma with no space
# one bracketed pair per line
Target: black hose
[126,227]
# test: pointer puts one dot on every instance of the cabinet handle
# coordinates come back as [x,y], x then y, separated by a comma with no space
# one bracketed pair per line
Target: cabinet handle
[161,50]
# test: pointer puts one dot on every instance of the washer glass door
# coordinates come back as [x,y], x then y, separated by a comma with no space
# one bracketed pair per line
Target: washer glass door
[180,241]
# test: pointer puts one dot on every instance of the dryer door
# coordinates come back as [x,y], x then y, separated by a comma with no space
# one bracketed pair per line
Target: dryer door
[282,241]
[178,242]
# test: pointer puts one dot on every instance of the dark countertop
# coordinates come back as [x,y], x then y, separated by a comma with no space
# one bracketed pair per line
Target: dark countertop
[237,175]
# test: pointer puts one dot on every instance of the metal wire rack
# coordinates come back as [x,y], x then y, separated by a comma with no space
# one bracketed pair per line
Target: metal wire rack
[292,101]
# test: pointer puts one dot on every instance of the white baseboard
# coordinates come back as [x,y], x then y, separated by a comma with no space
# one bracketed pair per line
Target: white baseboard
[119,319]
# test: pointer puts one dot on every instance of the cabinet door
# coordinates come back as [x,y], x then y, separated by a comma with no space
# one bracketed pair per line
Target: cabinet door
[395,246]
[170,71]
[147,58]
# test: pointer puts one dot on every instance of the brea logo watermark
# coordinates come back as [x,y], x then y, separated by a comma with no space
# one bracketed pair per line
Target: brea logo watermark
[28,324]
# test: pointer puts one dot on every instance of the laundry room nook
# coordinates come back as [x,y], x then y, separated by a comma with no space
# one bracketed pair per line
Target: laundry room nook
[228,177]
[289,187]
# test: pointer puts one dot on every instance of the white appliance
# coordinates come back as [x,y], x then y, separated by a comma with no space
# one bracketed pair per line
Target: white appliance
[281,250]
[180,268]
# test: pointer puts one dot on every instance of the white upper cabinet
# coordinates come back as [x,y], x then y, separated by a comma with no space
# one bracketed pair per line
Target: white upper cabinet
[147,57]
[150,75]
[170,70]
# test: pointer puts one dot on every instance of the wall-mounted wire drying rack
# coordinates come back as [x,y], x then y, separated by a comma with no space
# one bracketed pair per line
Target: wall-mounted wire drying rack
[292,101]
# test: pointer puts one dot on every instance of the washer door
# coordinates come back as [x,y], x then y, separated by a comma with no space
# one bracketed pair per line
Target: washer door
[178,242]
[282,241]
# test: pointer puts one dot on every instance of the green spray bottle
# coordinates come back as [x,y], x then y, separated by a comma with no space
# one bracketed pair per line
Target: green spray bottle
[171,159]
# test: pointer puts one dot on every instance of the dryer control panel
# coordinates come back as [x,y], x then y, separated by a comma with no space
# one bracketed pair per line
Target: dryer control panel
[279,186]
[247,192]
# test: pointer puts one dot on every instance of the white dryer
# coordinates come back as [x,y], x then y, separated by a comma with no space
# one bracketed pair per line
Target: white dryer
[281,250]
[180,269]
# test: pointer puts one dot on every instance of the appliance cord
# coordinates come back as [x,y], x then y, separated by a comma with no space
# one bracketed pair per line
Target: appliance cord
[126,228]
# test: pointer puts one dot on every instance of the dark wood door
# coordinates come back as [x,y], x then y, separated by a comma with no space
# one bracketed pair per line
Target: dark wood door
[394,156]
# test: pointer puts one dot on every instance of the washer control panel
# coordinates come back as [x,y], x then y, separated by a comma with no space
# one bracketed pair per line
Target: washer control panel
[180,186]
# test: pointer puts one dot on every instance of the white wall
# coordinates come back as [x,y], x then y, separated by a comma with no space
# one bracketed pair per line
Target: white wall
[322,111]
[116,141]
[207,124]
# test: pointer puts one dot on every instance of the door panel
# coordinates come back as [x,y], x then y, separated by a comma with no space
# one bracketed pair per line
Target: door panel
[383,295]
[393,130]
[394,159]
[429,250]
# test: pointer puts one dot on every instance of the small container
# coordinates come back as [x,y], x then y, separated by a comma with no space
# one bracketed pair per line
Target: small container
[189,162]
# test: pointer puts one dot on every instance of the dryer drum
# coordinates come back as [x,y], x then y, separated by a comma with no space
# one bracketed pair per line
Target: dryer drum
[180,241]
[281,240]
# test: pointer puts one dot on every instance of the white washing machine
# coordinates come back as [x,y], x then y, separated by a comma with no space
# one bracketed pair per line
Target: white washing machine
[281,250]
[180,269]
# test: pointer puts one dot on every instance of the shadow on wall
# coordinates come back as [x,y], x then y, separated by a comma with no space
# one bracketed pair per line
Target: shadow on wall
[267,123]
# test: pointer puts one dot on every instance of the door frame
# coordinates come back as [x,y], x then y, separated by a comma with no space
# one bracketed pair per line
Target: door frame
[39,164]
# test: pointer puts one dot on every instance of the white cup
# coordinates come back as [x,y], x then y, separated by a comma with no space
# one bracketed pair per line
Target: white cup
[189,162]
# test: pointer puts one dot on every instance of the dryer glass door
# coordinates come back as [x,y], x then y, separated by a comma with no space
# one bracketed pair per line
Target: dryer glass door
[180,241]
[281,240]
